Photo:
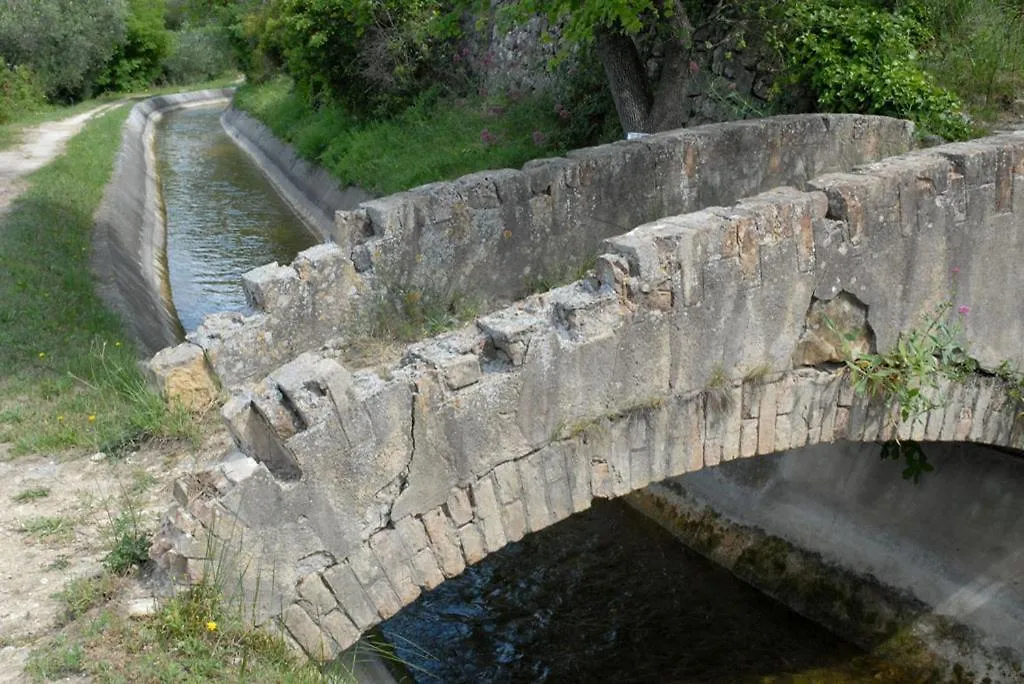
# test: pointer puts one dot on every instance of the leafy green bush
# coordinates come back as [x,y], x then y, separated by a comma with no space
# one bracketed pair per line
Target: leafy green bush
[20,92]
[374,56]
[67,43]
[197,54]
[978,49]
[854,56]
[137,58]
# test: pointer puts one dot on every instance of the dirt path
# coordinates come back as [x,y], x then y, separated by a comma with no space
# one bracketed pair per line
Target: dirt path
[56,509]
[41,145]
[55,522]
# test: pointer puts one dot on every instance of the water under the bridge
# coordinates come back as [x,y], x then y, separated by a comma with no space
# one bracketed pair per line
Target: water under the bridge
[604,596]
[223,216]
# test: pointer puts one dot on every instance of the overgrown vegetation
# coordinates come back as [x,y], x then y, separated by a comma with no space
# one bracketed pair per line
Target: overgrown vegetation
[67,377]
[433,139]
[66,51]
[855,56]
[910,377]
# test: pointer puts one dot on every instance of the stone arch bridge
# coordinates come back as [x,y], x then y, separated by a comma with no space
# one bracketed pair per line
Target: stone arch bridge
[698,338]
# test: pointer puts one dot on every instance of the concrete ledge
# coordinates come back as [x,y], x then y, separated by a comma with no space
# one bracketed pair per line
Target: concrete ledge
[312,193]
[128,239]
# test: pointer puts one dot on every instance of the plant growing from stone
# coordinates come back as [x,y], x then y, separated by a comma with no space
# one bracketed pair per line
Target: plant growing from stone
[911,374]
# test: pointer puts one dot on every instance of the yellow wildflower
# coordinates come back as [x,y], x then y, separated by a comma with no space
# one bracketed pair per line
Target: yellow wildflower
[211,626]
[92,419]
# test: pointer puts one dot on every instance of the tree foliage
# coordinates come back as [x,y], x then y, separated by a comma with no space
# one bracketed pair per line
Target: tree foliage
[67,43]
[137,59]
[855,56]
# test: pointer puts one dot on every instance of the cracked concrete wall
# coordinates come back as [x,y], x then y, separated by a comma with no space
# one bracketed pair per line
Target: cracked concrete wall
[365,488]
[129,233]
[489,234]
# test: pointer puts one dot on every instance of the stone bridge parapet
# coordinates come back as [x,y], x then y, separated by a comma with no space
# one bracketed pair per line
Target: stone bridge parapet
[680,351]
[489,235]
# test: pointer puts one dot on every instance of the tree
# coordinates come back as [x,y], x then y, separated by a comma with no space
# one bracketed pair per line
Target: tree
[618,27]
[137,60]
[66,43]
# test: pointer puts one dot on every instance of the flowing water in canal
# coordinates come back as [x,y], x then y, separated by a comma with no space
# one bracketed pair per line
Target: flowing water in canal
[223,216]
[609,596]
[605,596]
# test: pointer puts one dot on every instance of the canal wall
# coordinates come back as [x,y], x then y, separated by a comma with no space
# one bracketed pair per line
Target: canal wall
[129,228]
[312,193]
[835,532]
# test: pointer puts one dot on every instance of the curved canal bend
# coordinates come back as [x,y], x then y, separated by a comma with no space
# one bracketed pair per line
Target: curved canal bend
[604,596]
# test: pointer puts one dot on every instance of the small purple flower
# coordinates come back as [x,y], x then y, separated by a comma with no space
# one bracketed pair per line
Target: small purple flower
[486,137]
[539,138]
[963,309]
[694,67]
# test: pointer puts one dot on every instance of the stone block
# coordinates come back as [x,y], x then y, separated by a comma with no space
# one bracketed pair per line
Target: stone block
[462,371]
[339,628]
[513,520]
[487,513]
[394,560]
[531,474]
[426,572]
[767,419]
[473,545]
[312,589]
[506,481]
[748,438]
[273,288]
[444,541]
[182,375]
[350,596]
[308,635]
[459,507]
[578,471]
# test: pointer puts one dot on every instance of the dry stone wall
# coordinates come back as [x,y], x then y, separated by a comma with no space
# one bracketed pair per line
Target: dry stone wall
[364,488]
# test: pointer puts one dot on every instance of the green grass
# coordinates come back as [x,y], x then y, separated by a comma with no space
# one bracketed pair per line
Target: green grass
[195,636]
[67,377]
[436,139]
[33,494]
[48,528]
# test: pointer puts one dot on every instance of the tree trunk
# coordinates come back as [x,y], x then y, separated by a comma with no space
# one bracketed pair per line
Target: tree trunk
[627,79]
[670,107]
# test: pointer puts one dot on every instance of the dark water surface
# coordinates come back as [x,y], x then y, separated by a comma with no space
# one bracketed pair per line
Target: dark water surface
[608,596]
[223,216]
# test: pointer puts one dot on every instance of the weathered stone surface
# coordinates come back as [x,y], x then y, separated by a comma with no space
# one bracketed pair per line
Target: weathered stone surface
[444,541]
[598,388]
[308,635]
[830,325]
[181,374]
[351,596]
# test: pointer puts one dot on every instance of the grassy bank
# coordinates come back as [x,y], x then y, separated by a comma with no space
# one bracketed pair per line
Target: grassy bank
[436,139]
[68,378]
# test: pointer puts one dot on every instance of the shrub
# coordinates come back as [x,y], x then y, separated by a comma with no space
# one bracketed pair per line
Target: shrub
[137,58]
[197,54]
[854,56]
[66,43]
[20,92]
[374,56]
